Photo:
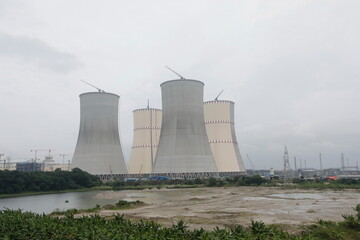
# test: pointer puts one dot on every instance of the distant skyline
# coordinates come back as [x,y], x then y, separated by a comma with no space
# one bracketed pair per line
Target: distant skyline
[291,67]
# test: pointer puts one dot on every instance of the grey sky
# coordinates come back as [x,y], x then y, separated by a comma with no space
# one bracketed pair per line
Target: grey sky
[291,67]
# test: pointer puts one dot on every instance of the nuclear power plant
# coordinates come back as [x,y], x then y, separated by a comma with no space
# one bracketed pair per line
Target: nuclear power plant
[220,128]
[187,138]
[98,149]
[183,145]
[147,126]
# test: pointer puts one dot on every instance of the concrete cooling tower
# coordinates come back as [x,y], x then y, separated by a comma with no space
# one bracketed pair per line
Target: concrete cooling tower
[98,149]
[147,126]
[219,121]
[183,146]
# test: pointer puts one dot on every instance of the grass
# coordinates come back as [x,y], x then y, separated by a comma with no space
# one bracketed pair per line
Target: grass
[121,204]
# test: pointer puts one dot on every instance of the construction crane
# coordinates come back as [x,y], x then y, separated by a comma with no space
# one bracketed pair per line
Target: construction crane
[251,163]
[99,90]
[1,154]
[40,150]
[63,156]
[181,77]
[216,99]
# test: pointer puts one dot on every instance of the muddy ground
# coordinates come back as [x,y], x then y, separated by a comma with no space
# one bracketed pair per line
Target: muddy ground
[211,207]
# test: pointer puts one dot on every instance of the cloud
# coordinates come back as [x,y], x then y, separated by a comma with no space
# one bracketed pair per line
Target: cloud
[35,51]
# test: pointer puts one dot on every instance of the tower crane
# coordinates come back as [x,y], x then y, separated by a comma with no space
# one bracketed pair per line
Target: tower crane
[250,162]
[63,156]
[1,154]
[40,150]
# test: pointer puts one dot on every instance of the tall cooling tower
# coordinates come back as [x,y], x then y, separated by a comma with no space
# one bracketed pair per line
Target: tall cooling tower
[183,146]
[147,126]
[219,121]
[98,149]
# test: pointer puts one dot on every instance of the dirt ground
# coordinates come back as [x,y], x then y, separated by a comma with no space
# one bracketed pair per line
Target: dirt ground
[211,207]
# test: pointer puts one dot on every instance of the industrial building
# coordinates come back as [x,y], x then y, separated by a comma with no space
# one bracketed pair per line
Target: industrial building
[7,166]
[98,149]
[220,128]
[147,126]
[29,167]
[183,145]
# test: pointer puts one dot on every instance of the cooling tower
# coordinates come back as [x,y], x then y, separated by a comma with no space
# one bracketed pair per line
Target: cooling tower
[98,149]
[219,121]
[147,126]
[183,146]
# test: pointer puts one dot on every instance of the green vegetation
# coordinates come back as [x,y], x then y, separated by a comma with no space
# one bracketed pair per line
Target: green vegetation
[72,211]
[26,225]
[121,204]
[255,180]
[189,183]
[21,182]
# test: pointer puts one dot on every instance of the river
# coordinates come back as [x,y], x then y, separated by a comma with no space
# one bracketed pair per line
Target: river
[50,202]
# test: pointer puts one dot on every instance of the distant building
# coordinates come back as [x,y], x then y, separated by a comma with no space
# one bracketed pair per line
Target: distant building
[29,167]
[8,166]
[50,167]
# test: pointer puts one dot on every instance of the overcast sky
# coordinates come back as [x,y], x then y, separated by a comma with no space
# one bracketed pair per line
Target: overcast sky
[291,67]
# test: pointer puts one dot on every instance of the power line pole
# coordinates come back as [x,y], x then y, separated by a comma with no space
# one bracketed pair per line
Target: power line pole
[287,177]
[321,166]
[342,162]
[320,158]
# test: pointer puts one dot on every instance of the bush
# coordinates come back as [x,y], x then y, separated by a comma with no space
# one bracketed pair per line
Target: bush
[211,182]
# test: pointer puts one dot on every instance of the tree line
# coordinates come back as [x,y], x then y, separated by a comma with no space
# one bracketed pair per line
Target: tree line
[19,182]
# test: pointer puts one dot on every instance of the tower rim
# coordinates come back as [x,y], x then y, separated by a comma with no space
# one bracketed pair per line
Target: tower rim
[219,101]
[147,109]
[86,93]
[182,80]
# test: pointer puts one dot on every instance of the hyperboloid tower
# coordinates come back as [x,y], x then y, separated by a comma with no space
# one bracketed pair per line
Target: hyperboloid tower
[183,146]
[219,122]
[98,149]
[147,126]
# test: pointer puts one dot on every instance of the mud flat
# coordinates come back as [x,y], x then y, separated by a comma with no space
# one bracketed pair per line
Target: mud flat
[211,207]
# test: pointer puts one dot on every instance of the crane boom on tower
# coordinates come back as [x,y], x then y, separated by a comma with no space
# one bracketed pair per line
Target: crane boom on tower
[181,77]
[219,95]
[100,90]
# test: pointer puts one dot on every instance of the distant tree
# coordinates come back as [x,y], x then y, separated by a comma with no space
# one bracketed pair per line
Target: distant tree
[211,182]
